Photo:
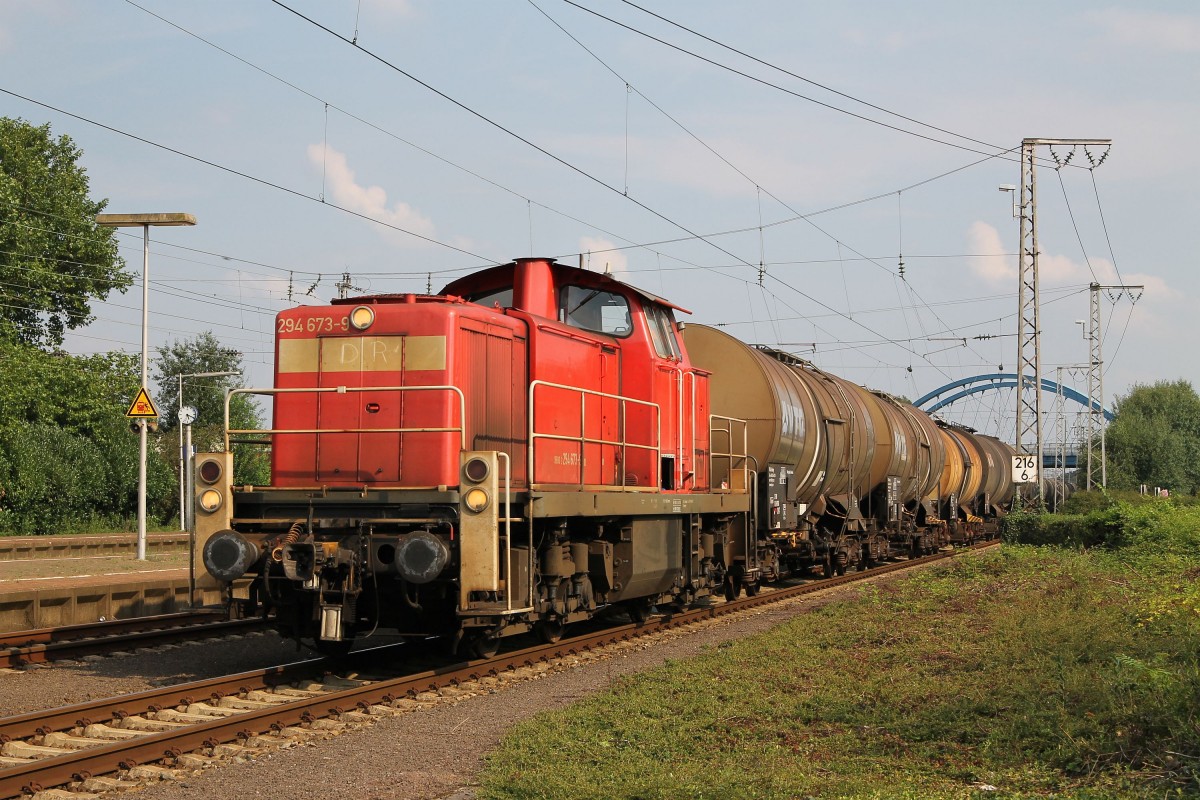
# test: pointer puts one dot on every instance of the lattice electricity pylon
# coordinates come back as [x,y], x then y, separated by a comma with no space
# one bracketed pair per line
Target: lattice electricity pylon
[1097,461]
[1029,348]
[1029,356]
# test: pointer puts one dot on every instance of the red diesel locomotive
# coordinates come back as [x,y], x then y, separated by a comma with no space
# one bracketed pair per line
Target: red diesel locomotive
[539,443]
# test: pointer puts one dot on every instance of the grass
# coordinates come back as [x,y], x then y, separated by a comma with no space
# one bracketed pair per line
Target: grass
[1032,672]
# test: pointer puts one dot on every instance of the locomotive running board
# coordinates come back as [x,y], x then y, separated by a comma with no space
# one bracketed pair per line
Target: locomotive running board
[563,504]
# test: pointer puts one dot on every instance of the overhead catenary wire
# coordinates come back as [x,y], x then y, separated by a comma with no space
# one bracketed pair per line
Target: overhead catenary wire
[326,104]
[763,260]
[1075,225]
[530,202]
[757,186]
[1104,226]
[558,159]
[248,176]
[506,130]
[799,77]
[783,89]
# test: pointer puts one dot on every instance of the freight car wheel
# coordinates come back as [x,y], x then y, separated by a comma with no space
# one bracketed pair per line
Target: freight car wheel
[481,645]
[828,568]
[639,610]
[752,589]
[548,631]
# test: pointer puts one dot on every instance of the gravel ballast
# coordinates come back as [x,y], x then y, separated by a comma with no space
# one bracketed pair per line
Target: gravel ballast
[437,752]
[434,751]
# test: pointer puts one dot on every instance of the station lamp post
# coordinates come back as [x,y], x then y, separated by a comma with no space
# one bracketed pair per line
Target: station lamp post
[145,222]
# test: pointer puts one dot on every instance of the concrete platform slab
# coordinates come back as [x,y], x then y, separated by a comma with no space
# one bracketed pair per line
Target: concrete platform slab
[97,545]
[46,603]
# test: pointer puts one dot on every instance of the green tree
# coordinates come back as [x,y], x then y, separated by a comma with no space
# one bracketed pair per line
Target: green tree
[1155,438]
[204,353]
[82,394]
[54,259]
[68,460]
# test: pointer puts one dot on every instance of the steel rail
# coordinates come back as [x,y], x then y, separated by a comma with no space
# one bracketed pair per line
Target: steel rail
[21,648]
[103,628]
[79,765]
[106,709]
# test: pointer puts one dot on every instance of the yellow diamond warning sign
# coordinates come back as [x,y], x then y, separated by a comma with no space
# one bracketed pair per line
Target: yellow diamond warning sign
[142,406]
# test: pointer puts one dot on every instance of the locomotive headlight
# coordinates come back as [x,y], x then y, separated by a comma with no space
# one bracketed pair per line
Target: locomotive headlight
[209,500]
[476,470]
[362,317]
[210,471]
[477,499]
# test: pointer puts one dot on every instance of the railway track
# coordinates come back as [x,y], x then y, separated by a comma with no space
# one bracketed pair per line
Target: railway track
[220,716]
[41,645]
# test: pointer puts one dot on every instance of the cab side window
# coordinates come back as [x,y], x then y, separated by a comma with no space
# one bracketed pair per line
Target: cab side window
[595,310]
[662,332]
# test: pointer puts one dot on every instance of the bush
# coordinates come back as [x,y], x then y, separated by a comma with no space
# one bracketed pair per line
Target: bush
[53,480]
[1159,524]
[1098,499]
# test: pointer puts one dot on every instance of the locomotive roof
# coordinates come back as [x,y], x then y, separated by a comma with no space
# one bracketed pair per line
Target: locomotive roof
[494,275]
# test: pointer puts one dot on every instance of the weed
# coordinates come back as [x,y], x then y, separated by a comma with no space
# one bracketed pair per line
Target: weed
[1034,671]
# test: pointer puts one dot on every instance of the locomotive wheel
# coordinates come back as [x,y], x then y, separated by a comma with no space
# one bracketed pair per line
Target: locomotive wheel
[548,631]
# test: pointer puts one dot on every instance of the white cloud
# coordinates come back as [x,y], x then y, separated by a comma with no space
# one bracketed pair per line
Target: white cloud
[989,262]
[371,201]
[600,256]
[1156,287]
[988,259]
[1150,29]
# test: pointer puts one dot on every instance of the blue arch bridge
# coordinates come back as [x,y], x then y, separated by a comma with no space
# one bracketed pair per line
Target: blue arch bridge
[993,381]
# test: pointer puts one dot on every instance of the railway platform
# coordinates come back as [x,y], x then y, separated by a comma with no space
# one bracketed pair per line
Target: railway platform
[50,581]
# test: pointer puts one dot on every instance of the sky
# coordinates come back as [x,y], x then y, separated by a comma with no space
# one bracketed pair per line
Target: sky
[766,164]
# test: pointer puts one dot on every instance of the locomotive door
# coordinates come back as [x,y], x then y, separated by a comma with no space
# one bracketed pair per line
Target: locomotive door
[347,452]
[673,387]
[612,466]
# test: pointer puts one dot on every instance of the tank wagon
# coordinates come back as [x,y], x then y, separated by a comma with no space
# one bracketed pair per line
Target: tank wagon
[538,444]
[846,476]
